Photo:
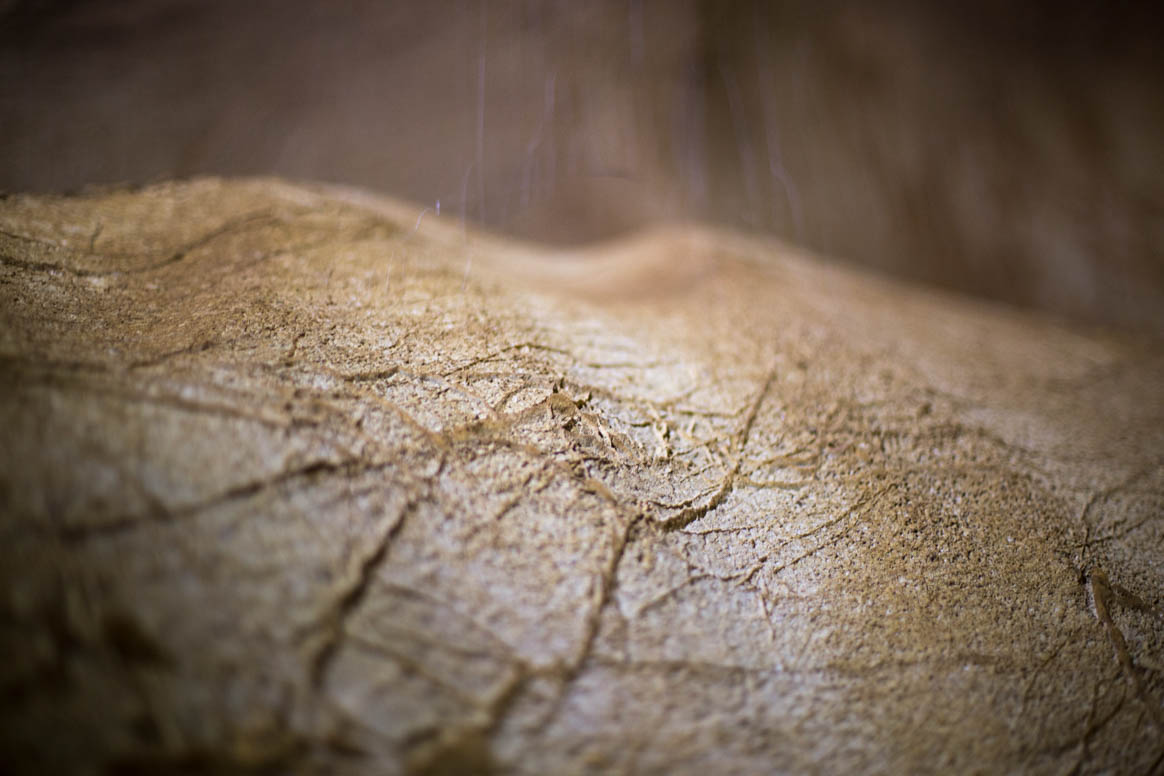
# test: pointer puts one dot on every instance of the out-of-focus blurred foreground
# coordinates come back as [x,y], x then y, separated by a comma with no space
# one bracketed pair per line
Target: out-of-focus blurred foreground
[1014,151]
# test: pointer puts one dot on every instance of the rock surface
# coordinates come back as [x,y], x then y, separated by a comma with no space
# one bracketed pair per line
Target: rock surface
[292,480]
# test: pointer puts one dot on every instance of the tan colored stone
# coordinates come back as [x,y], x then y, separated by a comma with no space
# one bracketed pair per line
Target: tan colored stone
[293,480]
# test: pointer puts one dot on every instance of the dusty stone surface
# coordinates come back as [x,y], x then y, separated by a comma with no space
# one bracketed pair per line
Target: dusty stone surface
[291,481]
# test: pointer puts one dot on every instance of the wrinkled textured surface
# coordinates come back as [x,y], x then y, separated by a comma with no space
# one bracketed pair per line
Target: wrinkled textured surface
[292,480]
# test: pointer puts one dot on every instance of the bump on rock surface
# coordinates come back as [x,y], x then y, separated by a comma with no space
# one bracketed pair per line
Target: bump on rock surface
[286,482]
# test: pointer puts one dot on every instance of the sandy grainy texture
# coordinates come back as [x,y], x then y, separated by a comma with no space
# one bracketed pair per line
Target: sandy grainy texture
[289,483]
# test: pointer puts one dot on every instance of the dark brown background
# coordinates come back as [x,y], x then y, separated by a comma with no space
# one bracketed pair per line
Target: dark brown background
[1012,150]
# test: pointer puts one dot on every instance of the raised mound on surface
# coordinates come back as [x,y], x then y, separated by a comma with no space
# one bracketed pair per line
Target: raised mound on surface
[292,479]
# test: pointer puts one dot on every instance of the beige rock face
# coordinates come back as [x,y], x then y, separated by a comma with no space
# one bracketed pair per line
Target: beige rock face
[291,480]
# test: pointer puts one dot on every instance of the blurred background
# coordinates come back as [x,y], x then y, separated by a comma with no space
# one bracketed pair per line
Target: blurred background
[1010,150]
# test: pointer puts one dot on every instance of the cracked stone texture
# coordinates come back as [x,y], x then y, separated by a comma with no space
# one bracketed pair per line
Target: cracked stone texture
[293,481]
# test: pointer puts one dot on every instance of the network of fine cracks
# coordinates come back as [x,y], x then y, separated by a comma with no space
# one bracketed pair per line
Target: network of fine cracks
[788,478]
